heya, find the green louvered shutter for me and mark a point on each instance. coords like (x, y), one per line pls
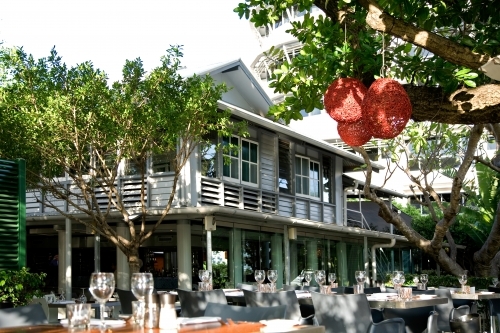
(12, 214)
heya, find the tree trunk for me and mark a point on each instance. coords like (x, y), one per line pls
(495, 264)
(134, 261)
(490, 248)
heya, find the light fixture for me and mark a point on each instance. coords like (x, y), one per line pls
(492, 68)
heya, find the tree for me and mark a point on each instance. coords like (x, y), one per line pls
(75, 132)
(437, 47)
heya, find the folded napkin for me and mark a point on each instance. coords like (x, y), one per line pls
(182, 321)
(64, 302)
(97, 322)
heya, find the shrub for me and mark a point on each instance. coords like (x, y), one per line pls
(20, 286)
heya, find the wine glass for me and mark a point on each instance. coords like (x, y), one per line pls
(83, 298)
(360, 276)
(260, 276)
(102, 286)
(462, 279)
(332, 277)
(424, 278)
(320, 277)
(308, 277)
(61, 295)
(272, 276)
(494, 281)
(142, 284)
(204, 276)
(397, 279)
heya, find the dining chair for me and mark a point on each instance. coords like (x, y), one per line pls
(291, 287)
(194, 303)
(415, 318)
(126, 297)
(23, 316)
(432, 322)
(447, 311)
(350, 313)
(494, 307)
(245, 313)
(288, 298)
(367, 290)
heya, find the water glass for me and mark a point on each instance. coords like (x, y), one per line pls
(138, 311)
(320, 277)
(405, 293)
(358, 289)
(78, 315)
(326, 289)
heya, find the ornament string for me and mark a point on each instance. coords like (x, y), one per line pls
(383, 68)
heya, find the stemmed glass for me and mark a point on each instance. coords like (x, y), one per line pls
(142, 284)
(83, 298)
(424, 278)
(61, 295)
(332, 277)
(204, 276)
(360, 277)
(272, 276)
(308, 277)
(462, 279)
(320, 277)
(102, 286)
(397, 279)
(260, 276)
(494, 281)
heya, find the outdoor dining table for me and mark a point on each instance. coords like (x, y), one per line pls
(396, 303)
(476, 296)
(130, 328)
(94, 305)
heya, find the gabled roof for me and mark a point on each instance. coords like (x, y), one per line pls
(244, 90)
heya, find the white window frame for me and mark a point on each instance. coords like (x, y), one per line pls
(239, 160)
(308, 177)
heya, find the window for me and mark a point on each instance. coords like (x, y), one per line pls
(327, 180)
(285, 166)
(163, 162)
(208, 153)
(241, 164)
(307, 177)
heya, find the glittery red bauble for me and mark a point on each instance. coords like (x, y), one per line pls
(354, 134)
(343, 99)
(387, 108)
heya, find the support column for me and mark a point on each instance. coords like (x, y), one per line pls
(294, 266)
(342, 277)
(312, 254)
(97, 253)
(366, 266)
(235, 266)
(122, 266)
(277, 257)
(286, 243)
(64, 265)
(184, 264)
(209, 251)
(338, 190)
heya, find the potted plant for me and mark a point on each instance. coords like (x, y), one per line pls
(18, 287)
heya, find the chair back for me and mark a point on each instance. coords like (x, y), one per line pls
(23, 316)
(447, 311)
(194, 303)
(339, 290)
(342, 313)
(414, 318)
(367, 290)
(245, 313)
(432, 322)
(311, 288)
(125, 297)
(288, 298)
(291, 287)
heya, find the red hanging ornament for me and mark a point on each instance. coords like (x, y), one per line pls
(343, 99)
(354, 134)
(387, 108)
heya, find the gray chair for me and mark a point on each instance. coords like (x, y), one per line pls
(288, 298)
(194, 303)
(494, 307)
(126, 297)
(350, 314)
(447, 311)
(23, 316)
(245, 313)
(415, 318)
(432, 322)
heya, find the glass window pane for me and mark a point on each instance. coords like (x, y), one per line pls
(253, 173)
(298, 165)
(305, 184)
(227, 170)
(298, 183)
(245, 153)
(234, 169)
(253, 153)
(245, 172)
(305, 166)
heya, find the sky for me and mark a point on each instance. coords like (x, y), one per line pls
(107, 32)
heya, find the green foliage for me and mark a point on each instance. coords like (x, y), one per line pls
(220, 276)
(331, 50)
(20, 286)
